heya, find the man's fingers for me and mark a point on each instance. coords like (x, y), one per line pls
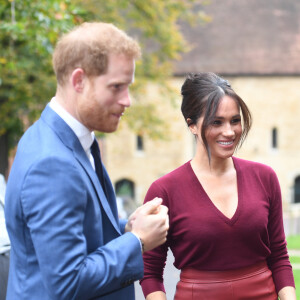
(167, 223)
(163, 209)
(152, 206)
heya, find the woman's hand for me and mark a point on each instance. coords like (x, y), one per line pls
(157, 296)
(286, 293)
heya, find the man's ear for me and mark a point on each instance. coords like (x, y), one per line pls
(77, 78)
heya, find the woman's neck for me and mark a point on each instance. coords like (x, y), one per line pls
(216, 166)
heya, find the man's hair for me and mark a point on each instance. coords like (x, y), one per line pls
(88, 46)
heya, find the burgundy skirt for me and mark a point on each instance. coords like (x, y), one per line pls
(251, 283)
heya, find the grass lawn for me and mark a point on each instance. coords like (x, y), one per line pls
(293, 242)
(295, 259)
(297, 282)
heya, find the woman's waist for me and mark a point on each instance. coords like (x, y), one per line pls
(194, 275)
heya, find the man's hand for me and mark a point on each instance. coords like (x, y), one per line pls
(150, 222)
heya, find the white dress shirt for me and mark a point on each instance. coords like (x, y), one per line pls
(85, 136)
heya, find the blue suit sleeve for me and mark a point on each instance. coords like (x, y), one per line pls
(123, 223)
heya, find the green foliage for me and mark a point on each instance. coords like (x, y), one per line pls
(30, 28)
(145, 120)
(28, 32)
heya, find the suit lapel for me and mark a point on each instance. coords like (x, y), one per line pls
(83, 160)
(68, 137)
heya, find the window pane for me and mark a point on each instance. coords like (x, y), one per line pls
(297, 190)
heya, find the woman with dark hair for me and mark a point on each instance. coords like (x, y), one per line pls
(226, 226)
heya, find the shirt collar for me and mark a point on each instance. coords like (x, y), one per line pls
(85, 136)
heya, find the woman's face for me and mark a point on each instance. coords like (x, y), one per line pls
(224, 134)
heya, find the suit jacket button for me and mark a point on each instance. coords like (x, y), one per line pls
(127, 282)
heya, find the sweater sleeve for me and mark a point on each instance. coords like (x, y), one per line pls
(278, 261)
(154, 260)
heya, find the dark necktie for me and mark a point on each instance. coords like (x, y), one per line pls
(98, 164)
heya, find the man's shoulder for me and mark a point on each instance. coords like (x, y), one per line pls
(40, 146)
(38, 139)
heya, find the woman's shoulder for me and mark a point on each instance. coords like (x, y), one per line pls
(253, 166)
(175, 174)
(169, 183)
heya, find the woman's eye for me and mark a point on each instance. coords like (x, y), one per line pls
(235, 121)
(217, 122)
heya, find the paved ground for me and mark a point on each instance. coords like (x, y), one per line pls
(295, 253)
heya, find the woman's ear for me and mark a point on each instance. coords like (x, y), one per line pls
(77, 79)
(193, 129)
(192, 126)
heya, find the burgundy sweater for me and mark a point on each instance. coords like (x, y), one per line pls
(201, 237)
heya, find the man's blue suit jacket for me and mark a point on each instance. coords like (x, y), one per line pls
(67, 242)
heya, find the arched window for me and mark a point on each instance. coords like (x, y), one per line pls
(297, 190)
(125, 188)
(125, 197)
(274, 138)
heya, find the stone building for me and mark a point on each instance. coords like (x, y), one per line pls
(256, 46)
